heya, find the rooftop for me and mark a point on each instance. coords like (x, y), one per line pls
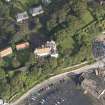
(100, 37)
(22, 45)
(46, 1)
(22, 16)
(1, 102)
(48, 49)
(42, 51)
(98, 46)
(7, 0)
(36, 10)
(6, 52)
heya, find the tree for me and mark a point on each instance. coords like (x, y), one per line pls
(2, 73)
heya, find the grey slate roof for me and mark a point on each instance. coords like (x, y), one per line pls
(22, 16)
(36, 10)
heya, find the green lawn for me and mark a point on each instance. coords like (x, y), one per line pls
(27, 3)
(87, 17)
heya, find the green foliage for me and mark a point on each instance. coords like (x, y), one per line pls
(65, 41)
(23, 56)
(97, 9)
(2, 73)
(72, 23)
(15, 63)
(87, 17)
(28, 3)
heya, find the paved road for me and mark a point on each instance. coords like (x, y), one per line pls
(98, 64)
(65, 93)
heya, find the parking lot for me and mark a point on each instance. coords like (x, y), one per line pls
(63, 93)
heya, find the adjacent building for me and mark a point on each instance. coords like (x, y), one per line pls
(94, 83)
(46, 1)
(95, 87)
(48, 49)
(33, 11)
(42, 52)
(22, 16)
(23, 45)
(101, 2)
(6, 52)
(98, 46)
(36, 10)
(3, 103)
(7, 0)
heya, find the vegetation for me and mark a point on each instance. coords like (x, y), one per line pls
(73, 24)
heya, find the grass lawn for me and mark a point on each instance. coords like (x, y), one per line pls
(59, 71)
(87, 17)
(28, 3)
(66, 43)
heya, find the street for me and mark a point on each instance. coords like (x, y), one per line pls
(98, 64)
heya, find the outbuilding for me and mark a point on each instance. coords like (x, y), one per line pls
(22, 45)
(22, 16)
(6, 52)
(36, 10)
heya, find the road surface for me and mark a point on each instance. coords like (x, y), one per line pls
(54, 79)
